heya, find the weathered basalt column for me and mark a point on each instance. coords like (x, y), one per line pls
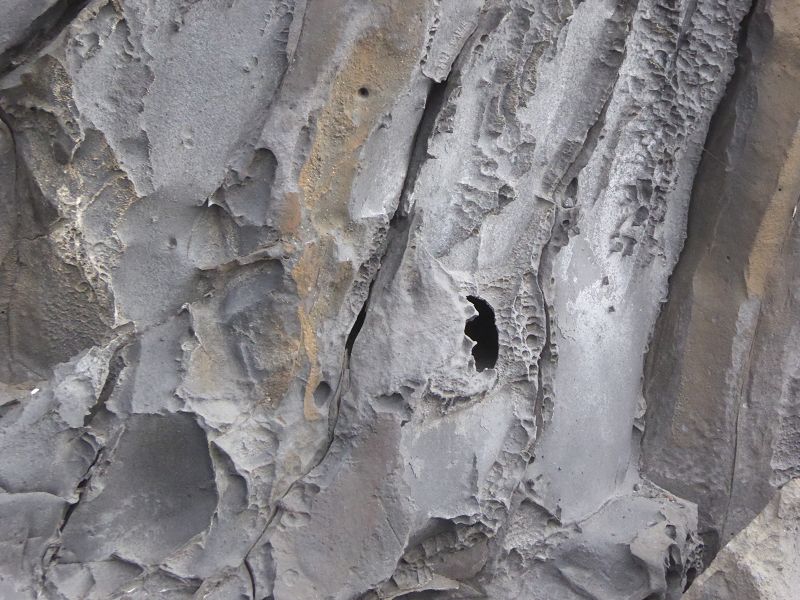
(721, 383)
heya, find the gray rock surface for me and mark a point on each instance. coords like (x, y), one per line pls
(723, 382)
(338, 299)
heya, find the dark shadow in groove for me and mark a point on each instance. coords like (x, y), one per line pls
(359, 323)
(41, 32)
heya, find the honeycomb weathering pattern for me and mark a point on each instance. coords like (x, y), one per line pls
(421, 299)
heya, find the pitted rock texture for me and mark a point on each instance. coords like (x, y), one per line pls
(722, 382)
(347, 299)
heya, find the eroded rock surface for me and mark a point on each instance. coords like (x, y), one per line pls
(722, 387)
(335, 299)
(763, 560)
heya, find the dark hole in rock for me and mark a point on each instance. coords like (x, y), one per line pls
(711, 544)
(572, 188)
(8, 407)
(674, 568)
(363, 92)
(642, 214)
(691, 574)
(483, 331)
(424, 595)
(506, 194)
(322, 393)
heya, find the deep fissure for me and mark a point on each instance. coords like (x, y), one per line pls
(398, 230)
(358, 324)
(398, 224)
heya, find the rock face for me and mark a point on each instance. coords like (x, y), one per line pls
(723, 381)
(763, 561)
(338, 299)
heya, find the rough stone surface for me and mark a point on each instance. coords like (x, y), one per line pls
(348, 299)
(723, 381)
(763, 560)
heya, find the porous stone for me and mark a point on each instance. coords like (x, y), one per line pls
(338, 299)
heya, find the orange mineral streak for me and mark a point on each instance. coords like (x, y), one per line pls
(776, 223)
(773, 138)
(374, 74)
(291, 215)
